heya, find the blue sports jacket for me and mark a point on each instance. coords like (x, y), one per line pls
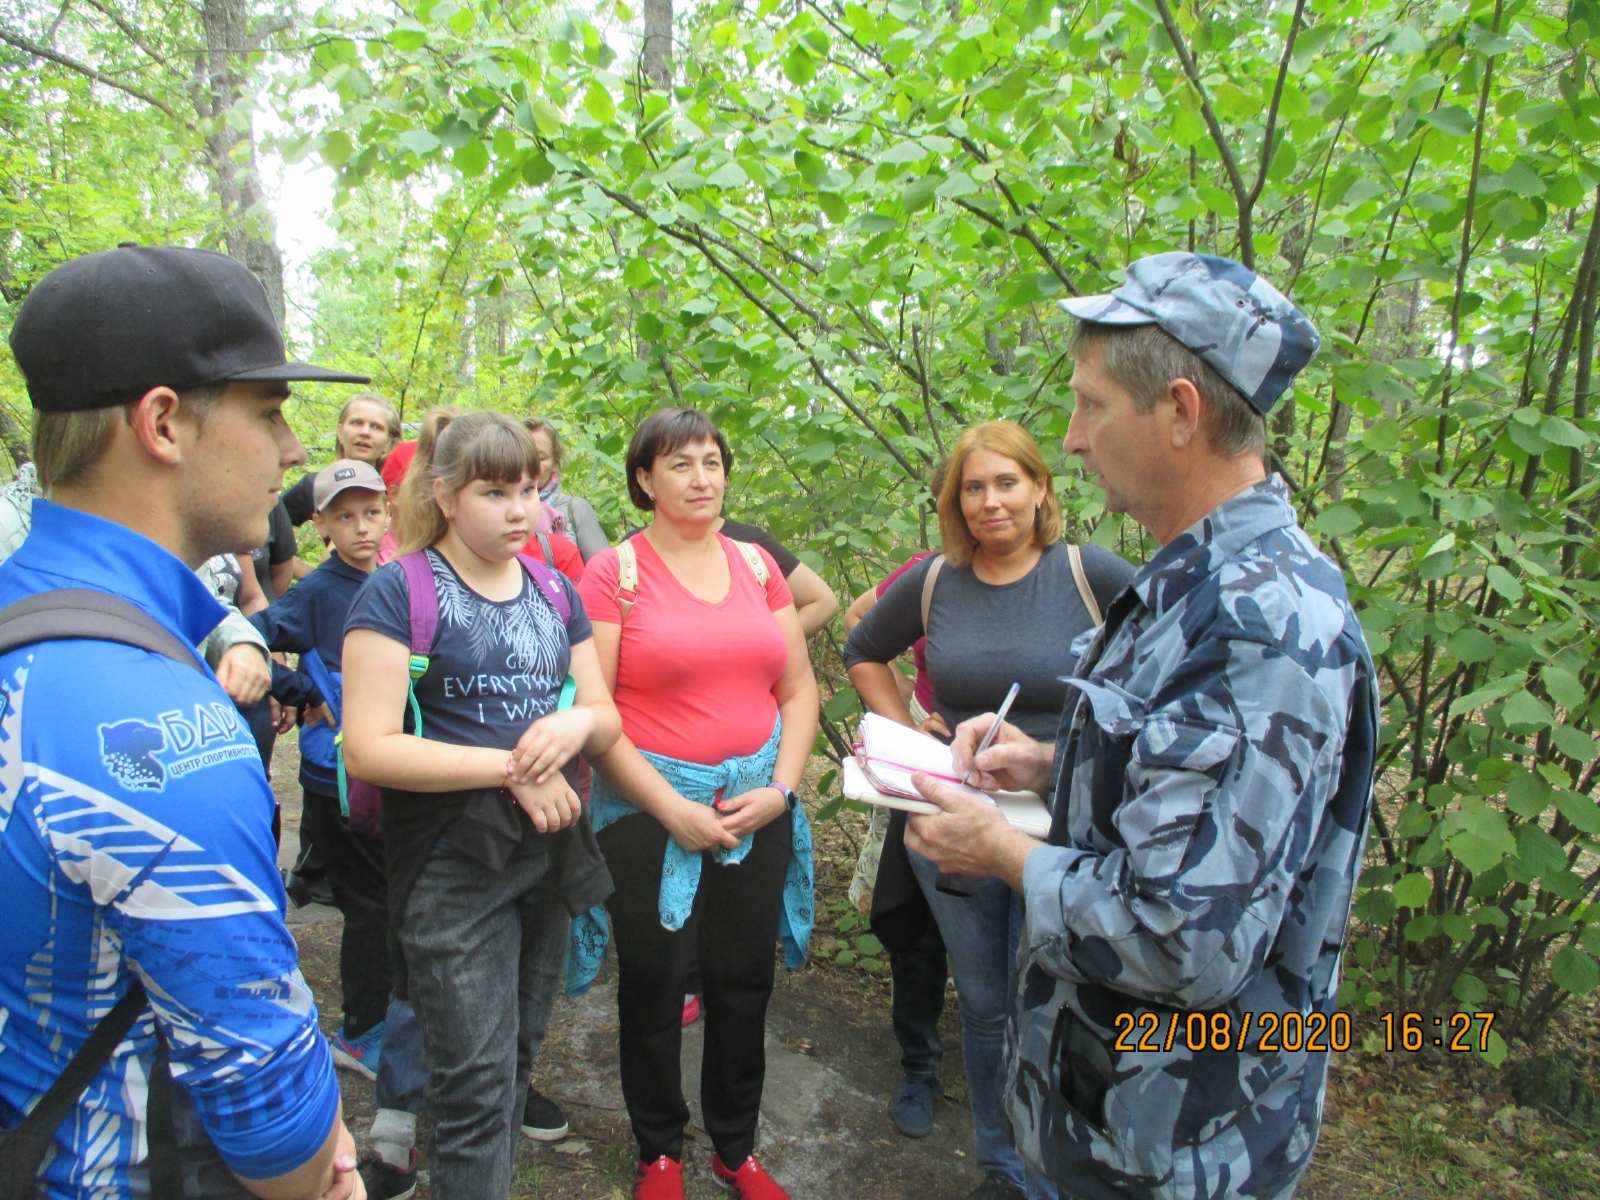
(136, 842)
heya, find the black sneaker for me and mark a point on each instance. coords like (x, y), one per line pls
(384, 1181)
(542, 1118)
(307, 890)
(298, 891)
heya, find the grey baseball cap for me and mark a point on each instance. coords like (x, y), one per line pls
(341, 476)
(1240, 324)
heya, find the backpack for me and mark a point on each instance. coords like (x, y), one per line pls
(362, 802)
(358, 800)
(1074, 556)
(94, 616)
(628, 571)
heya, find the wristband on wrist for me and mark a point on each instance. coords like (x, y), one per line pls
(789, 798)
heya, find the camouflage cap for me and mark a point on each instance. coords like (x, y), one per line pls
(1240, 324)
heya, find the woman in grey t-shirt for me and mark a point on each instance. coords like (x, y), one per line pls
(1004, 607)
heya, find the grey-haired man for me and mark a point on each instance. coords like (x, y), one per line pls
(1211, 781)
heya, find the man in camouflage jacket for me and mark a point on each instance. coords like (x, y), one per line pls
(1211, 779)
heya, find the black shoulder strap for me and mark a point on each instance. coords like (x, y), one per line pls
(84, 613)
(97, 616)
(41, 1123)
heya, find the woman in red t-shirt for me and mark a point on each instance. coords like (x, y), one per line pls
(699, 640)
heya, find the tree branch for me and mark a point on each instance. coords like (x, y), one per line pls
(1272, 108)
(1026, 233)
(1241, 194)
(128, 31)
(88, 72)
(693, 236)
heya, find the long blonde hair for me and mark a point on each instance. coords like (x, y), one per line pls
(1009, 440)
(457, 450)
(390, 416)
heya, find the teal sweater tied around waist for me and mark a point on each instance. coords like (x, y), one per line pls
(680, 869)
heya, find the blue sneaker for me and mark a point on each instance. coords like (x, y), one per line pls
(359, 1054)
(912, 1108)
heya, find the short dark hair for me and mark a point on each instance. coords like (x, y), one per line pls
(662, 432)
(1145, 358)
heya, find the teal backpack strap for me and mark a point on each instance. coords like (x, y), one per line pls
(418, 667)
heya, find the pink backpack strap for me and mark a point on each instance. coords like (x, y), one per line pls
(424, 593)
(547, 581)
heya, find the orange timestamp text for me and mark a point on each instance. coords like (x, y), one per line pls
(1293, 1032)
(1458, 1032)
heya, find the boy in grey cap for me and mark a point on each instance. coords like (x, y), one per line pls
(1211, 780)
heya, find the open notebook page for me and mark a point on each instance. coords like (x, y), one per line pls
(892, 752)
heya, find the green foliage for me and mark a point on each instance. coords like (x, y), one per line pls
(853, 945)
(79, 174)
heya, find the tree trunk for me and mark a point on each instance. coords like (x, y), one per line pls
(1336, 455)
(1283, 429)
(655, 68)
(1001, 361)
(247, 224)
(655, 58)
(14, 437)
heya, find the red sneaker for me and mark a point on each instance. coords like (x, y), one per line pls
(659, 1180)
(749, 1182)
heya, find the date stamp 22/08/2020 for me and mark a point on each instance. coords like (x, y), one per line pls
(1292, 1032)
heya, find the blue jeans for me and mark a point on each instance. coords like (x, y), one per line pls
(484, 952)
(402, 1059)
(980, 932)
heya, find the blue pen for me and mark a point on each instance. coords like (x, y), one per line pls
(988, 738)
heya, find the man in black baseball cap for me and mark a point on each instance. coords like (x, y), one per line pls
(170, 359)
(137, 847)
(101, 327)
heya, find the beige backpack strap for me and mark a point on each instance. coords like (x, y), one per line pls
(935, 565)
(753, 560)
(1085, 592)
(627, 576)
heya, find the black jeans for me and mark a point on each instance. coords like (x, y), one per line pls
(732, 932)
(918, 974)
(360, 886)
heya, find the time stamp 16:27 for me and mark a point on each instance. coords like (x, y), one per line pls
(1291, 1032)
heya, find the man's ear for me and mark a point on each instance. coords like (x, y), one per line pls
(160, 425)
(1186, 412)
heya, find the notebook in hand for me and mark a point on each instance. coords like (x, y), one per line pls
(880, 773)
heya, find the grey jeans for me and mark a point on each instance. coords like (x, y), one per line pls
(484, 955)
